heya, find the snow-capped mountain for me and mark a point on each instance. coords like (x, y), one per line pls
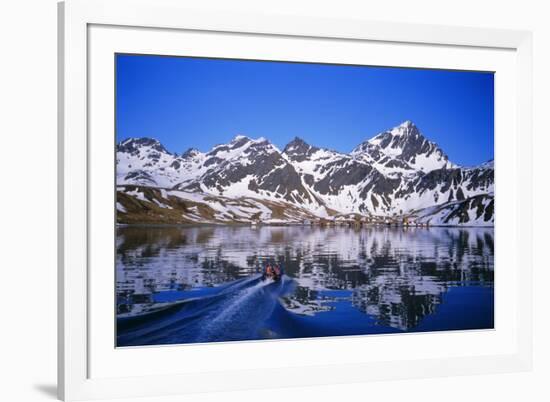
(403, 149)
(247, 167)
(146, 162)
(396, 173)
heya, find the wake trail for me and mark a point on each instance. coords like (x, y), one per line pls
(236, 311)
(228, 314)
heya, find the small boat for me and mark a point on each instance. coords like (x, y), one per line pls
(274, 272)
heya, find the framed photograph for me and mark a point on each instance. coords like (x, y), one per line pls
(251, 201)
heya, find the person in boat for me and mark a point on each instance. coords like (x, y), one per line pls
(273, 272)
(268, 272)
(276, 272)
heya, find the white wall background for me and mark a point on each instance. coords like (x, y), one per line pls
(28, 198)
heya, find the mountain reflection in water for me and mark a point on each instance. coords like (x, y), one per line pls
(201, 284)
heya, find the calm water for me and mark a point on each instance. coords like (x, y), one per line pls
(202, 284)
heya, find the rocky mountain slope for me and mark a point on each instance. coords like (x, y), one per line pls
(395, 175)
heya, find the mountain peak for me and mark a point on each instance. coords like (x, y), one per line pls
(139, 141)
(240, 140)
(407, 128)
(296, 142)
(490, 164)
(134, 144)
(297, 139)
(406, 124)
(403, 147)
(190, 152)
(399, 135)
(298, 149)
(240, 137)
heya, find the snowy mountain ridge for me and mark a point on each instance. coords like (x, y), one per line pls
(397, 172)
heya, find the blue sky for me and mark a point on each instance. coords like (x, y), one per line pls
(196, 102)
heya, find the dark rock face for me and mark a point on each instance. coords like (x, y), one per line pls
(212, 161)
(395, 163)
(437, 177)
(481, 178)
(346, 173)
(489, 211)
(309, 179)
(472, 179)
(476, 210)
(382, 186)
(287, 182)
(475, 203)
(140, 176)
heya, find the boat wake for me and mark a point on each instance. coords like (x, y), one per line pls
(239, 310)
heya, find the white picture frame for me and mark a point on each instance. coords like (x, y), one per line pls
(80, 378)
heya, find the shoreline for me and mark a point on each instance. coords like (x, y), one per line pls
(297, 224)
